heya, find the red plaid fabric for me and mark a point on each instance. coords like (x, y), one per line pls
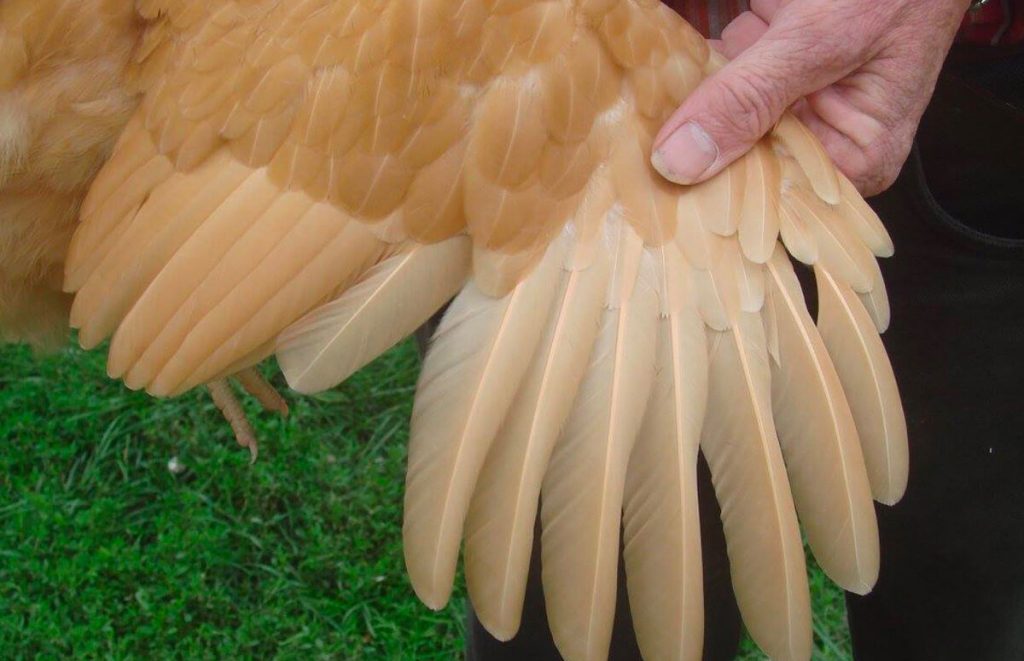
(709, 17)
(993, 23)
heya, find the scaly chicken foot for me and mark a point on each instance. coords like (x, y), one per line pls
(268, 397)
(226, 400)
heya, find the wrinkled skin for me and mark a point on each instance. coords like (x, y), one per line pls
(858, 72)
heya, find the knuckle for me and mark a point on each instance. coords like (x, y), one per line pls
(834, 37)
(883, 160)
(747, 105)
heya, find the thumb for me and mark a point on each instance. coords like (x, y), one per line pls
(735, 107)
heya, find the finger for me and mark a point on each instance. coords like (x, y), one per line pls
(765, 9)
(741, 33)
(717, 45)
(869, 174)
(835, 110)
(869, 151)
(731, 110)
(846, 155)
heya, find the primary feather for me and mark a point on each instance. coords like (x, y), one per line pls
(819, 442)
(869, 382)
(583, 488)
(500, 523)
(464, 391)
(395, 298)
(660, 514)
(762, 536)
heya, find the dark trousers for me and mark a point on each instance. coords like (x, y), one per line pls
(952, 579)
(952, 576)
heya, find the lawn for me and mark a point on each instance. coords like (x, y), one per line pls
(105, 552)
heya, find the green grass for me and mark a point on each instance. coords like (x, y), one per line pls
(104, 552)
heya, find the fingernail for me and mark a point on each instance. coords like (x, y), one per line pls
(686, 154)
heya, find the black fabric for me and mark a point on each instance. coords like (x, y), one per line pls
(971, 144)
(999, 71)
(952, 577)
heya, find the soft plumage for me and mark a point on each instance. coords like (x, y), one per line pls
(316, 178)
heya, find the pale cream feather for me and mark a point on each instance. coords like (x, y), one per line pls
(662, 548)
(863, 219)
(500, 523)
(583, 489)
(395, 297)
(478, 359)
(759, 224)
(850, 260)
(800, 143)
(869, 383)
(796, 236)
(819, 441)
(719, 201)
(763, 540)
(876, 301)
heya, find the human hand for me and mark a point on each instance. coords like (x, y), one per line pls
(859, 73)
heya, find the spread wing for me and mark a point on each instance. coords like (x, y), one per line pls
(317, 177)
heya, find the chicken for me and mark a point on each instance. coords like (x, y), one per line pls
(315, 178)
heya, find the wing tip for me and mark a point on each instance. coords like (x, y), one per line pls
(892, 493)
(427, 589)
(500, 623)
(298, 379)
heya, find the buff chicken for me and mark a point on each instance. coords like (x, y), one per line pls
(208, 183)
